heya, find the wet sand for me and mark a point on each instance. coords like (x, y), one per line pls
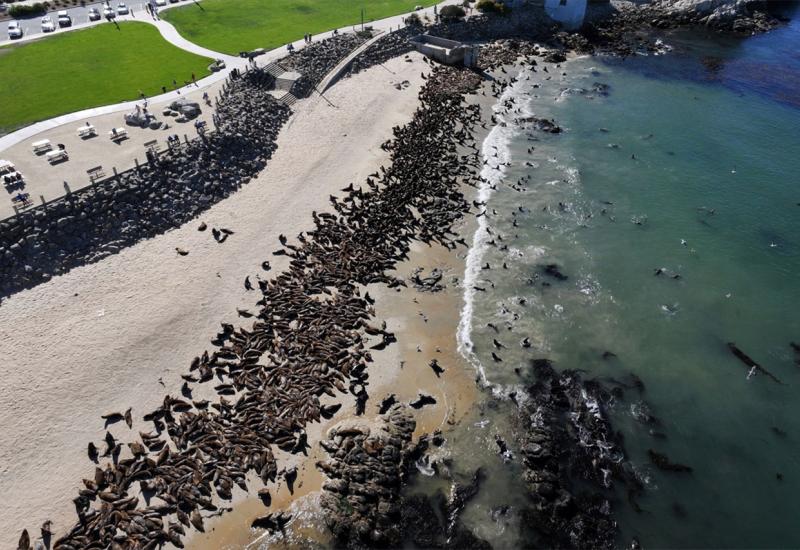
(118, 333)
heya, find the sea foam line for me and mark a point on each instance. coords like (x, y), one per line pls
(498, 141)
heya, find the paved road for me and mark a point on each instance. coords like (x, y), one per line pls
(32, 27)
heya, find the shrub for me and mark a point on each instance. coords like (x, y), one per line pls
(492, 6)
(38, 8)
(413, 20)
(452, 12)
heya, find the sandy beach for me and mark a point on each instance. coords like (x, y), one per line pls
(118, 333)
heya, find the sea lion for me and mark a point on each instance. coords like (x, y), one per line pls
(92, 452)
(290, 476)
(24, 541)
(181, 251)
(422, 400)
(247, 284)
(662, 462)
(265, 496)
(434, 365)
(387, 404)
(202, 227)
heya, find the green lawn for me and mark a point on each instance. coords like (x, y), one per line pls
(231, 26)
(87, 68)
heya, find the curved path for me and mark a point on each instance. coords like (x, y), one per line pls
(171, 35)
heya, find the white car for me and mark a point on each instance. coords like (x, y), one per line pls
(94, 15)
(14, 30)
(108, 12)
(122, 9)
(47, 24)
(161, 3)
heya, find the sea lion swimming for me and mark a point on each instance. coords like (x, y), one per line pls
(662, 462)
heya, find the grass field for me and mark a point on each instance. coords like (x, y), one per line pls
(231, 26)
(87, 68)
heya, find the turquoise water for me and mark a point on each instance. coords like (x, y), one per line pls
(699, 154)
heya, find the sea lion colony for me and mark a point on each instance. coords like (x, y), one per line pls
(311, 338)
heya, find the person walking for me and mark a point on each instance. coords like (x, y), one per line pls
(194, 80)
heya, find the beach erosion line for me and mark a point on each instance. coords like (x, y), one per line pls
(495, 148)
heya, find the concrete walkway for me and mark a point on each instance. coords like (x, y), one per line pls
(171, 35)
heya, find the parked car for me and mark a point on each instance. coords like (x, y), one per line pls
(3, 7)
(122, 9)
(64, 20)
(94, 14)
(161, 3)
(14, 30)
(109, 13)
(47, 24)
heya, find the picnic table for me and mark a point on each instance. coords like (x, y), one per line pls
(60, 154)
(42, 146)
(117, 134)
(6, 167)
(87, 131)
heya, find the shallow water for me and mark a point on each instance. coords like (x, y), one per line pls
(699, 157)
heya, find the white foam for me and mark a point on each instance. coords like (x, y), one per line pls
(497, 142)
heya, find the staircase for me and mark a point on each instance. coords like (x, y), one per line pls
(274, 69)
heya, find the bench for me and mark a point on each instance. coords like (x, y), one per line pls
(95, 173)
(118, 134)
(42, 146)
(54, 156)
(23, 200)
(152, 145)
(87, 131)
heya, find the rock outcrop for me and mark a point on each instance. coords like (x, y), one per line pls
(361, 499)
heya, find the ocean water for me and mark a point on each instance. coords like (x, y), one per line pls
(687, 161)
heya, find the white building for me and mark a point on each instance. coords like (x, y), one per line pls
(569, 13)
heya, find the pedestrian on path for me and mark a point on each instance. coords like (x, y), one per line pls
(194, 80)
